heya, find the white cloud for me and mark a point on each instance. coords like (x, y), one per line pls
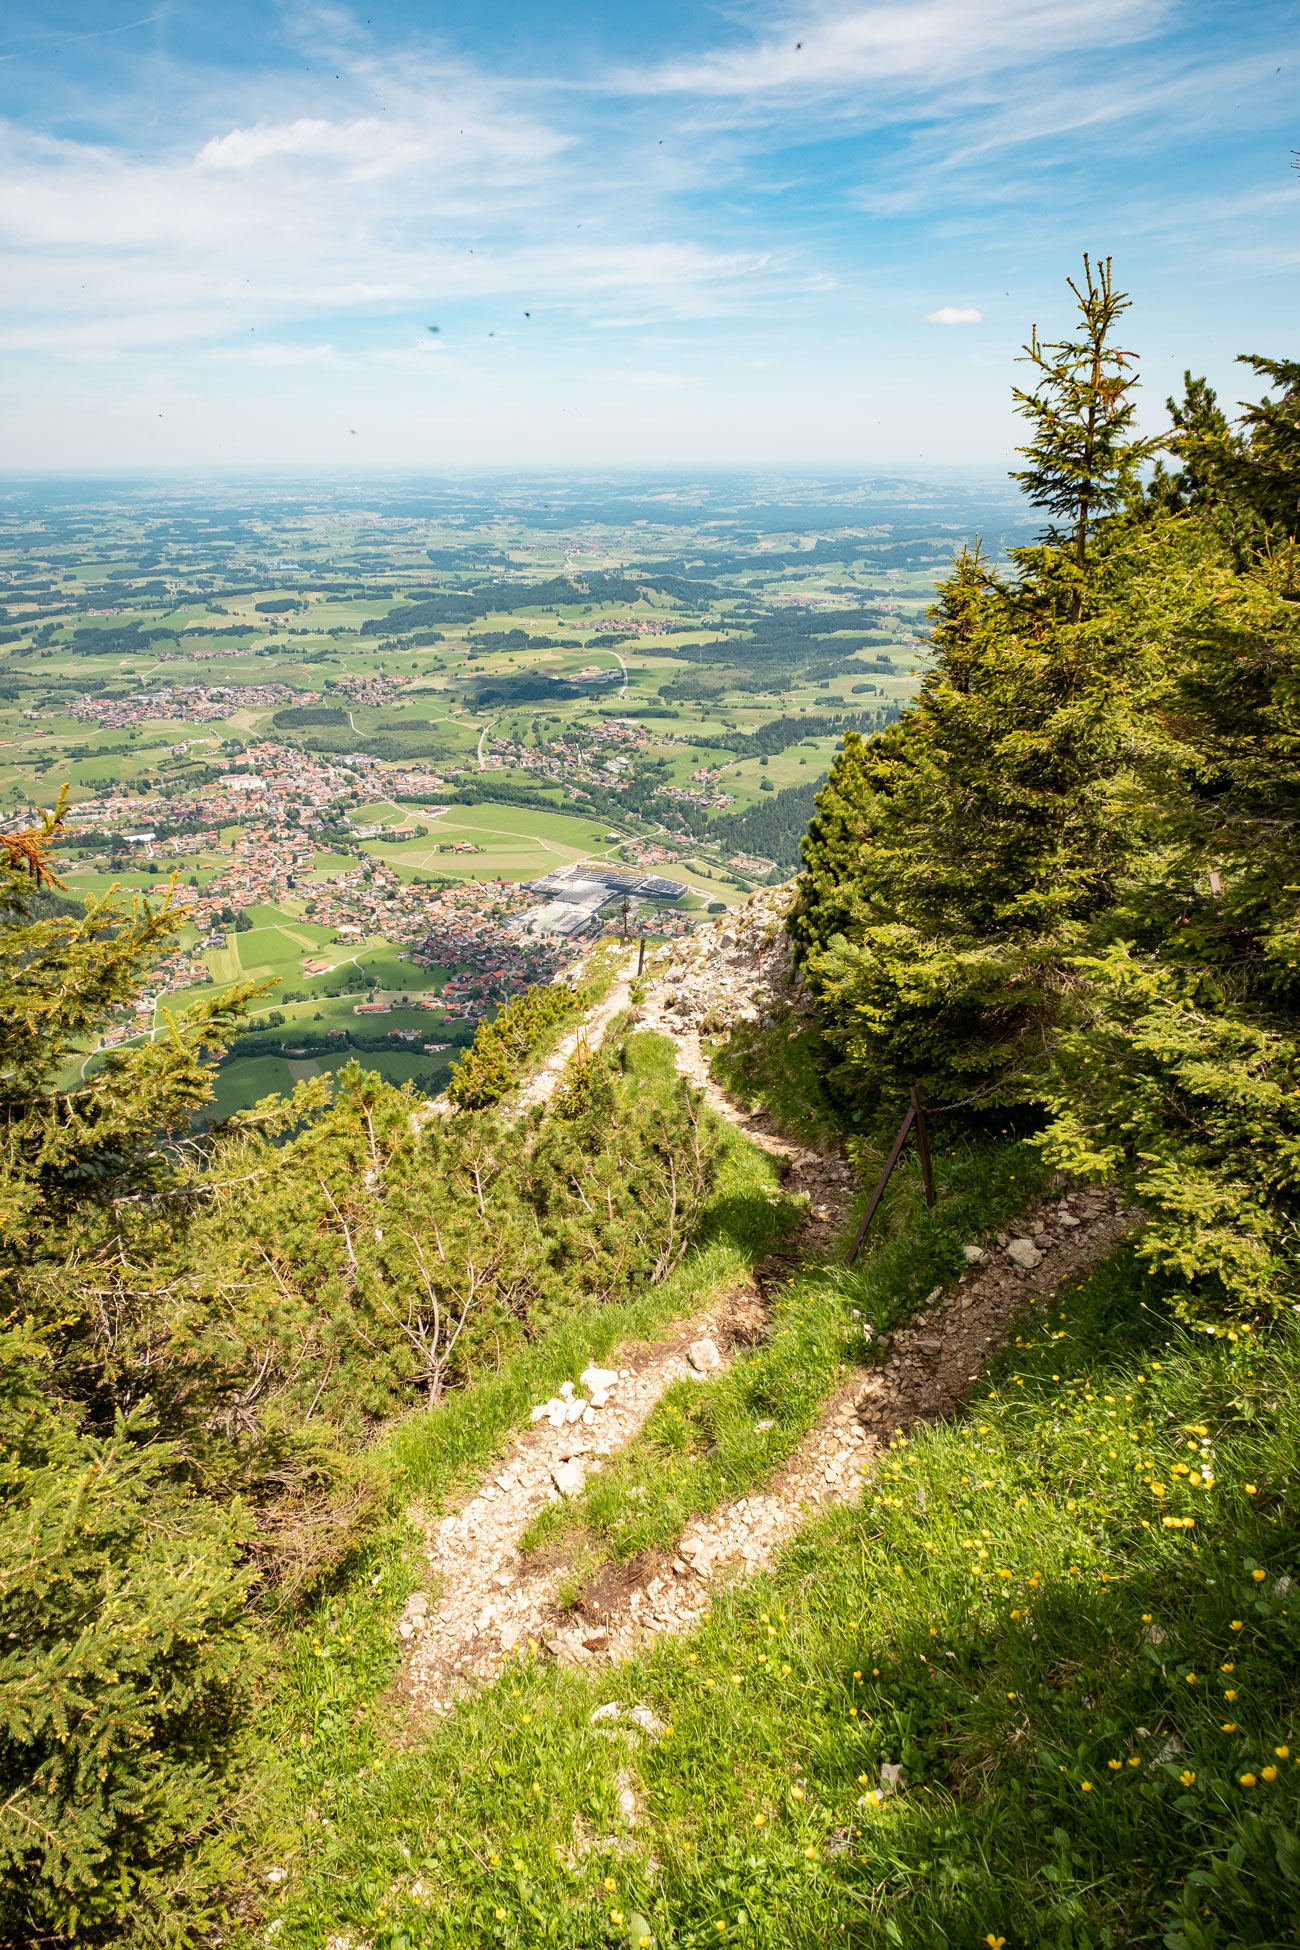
(955, 315)
(838, 47)
(277, 355)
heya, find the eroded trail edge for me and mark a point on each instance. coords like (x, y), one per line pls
(488, 1599)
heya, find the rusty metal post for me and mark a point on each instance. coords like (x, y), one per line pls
(881, 1183)
(640, 959)
(923, 1145)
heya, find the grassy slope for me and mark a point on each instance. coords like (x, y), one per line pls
(1087, 1715)
(703, 1444)
(1094, 1707)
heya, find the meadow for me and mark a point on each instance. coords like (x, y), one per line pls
(1039, 1687)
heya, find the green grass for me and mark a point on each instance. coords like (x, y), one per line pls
(243, 1083)
(705, 1442)
(774, 1067)
(1005, 1685)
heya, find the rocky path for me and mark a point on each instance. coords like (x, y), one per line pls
(926, 1376)
(490, 1599)
(591, 1030)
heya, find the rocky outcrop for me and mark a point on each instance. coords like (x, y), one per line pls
(737, 969)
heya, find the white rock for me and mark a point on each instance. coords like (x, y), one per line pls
(648, 1721)
(598, 1377)
(1023, 1252)
(704, 1356)
(569, 1478)
(539, 1413)
(566, 1389)
(589, 1414)
(511, 1633)
(974, 1255)
(891, 1777)
(610, 1711)
(575, 1411)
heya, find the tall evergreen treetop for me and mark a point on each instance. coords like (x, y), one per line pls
(1083, 455)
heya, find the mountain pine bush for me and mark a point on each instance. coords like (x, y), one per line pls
(203, 1329)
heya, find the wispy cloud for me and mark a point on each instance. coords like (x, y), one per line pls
(780, 189)
(834, 49)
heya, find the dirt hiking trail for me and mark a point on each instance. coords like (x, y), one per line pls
(487, 1599)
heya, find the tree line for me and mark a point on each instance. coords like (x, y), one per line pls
(1061, 891)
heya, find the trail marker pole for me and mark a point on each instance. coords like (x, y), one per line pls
(640, 957)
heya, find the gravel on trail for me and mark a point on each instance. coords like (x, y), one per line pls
(486, 1600)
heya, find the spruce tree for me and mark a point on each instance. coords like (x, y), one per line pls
(956, 860)
(1084, 458)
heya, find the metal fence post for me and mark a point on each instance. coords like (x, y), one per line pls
(923, 1145)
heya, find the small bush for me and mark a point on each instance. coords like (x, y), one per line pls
(490, 1068)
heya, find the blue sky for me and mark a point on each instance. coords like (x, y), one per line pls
(667, 235)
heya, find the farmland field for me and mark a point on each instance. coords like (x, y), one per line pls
(235, 692)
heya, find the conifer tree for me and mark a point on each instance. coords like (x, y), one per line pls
(124, 1655)
(1083, 456)
(957, 859)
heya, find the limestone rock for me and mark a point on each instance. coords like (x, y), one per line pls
(704, 1356)
(569, 1478)
(1024, 1253)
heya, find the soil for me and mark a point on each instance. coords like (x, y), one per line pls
(489, 1599)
